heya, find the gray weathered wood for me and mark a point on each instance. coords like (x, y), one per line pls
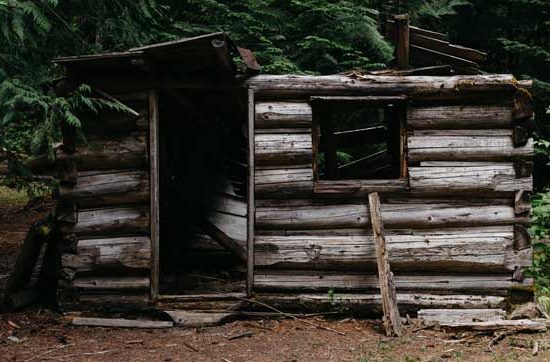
(466, 147)
(283, 182)
(460, 315)
(303, 87)
(223, 239)
(283, 115)
(367, 302)
(442, 117)
(356, 215)
(358, 187)
(283, 149)
(113, 283)
(126, 153)
(120, 323)
(104, 189)
(485, 249)
(154, 196)
(251, 193)
(518, 325)
(496, 178)
(392, 320)
(191, 319)
(119, 255)
(301, 281)
(109, 222)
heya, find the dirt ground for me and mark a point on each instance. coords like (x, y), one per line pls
(40, 335)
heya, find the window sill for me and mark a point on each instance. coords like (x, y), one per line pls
(359, 187)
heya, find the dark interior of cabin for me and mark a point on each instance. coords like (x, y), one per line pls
(202, 204)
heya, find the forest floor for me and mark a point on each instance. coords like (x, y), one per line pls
(40, 335)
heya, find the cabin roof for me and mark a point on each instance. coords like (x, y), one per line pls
(212, 52)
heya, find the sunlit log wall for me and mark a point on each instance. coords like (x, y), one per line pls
(456, 223)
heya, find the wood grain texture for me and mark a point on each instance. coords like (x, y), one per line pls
(282, 115)
(283, 182)
(301, 281)
(495, 178)
(487, 249)
(461, 117)
(118, 255)
(110, 222)
(282, 149)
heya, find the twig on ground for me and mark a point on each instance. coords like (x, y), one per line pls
(293, 316)
(428, 326)
(49, 351)
(81, 354)
(189, 346)
(240, 335)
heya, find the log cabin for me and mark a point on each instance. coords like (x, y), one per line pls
(222, 184)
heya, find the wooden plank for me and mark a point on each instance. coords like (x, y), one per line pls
(110, 222)
(358, 187)
(120, 323)
(154, 192)
(335, 214)
(232, 225)
(418, 87)
(283, 149)
(518, 325)
(365, 101)
(105, 189)
(283, 182)
(496, 178)
(111, 284)
(223, 239)
(485, 249)
(445, 47)
(392, 320)
(426, 56)
(251, 192)
(282, 115)
(443, 147)
(443, 316)
(366, 303)
(464, 116)
(191, 319)
(419, 31)
(120, 255)
(305, 281)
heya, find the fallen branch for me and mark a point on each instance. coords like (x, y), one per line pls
(292, 316)
(81, 354)
(49, 351)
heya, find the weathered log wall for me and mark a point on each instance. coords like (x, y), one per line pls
(104, 206)
(453, 223)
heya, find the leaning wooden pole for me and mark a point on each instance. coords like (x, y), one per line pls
(392, 320)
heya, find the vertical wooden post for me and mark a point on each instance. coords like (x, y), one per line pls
(329, 147)
(401, 37)
(251, 211)
(392, 320)
(154, 190)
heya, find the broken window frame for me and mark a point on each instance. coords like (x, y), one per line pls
(324, 105)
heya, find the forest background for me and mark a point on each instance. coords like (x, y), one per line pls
(287, 36)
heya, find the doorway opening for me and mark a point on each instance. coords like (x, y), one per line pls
(202, 192)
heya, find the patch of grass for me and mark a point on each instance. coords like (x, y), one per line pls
(12, 198)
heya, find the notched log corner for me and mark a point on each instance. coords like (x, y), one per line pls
(523, 168)
(522, 202)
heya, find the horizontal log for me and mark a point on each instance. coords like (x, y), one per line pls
(282, 115)
(283, 182)
(369, 303)
(109, 222)
(323, 281)
(283, 149)
(356, 215)
(103, 189)
(107, 122)
(418, 87)
(468, 116)
(465, 147)
(487, 249)
(120, 323)
(358, 187)
(460, 315)
(110, 284)
(495, 178)
(122, 255)
(128, 153)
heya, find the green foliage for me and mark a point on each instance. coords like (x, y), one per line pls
(540, 270)
(540, 228)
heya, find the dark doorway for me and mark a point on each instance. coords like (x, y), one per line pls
(202, 192)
